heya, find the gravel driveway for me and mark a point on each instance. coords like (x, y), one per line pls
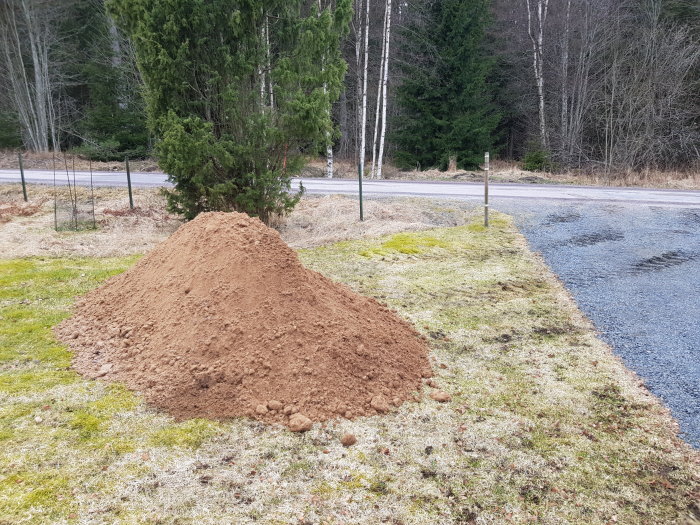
(635, 271)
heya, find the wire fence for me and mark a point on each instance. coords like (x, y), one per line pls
(74, 205)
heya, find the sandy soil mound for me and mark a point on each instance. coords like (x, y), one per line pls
(223, 320)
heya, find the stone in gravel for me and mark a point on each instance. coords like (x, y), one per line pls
(261, 409)
(299, 423)
(440, 396)
(275, 405)
(348, 440)
(104, 370)
(379, 403)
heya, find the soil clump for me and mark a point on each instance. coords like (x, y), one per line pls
(222, 320)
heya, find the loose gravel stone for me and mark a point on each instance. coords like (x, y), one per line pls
(348, 440)
(299, 423)
(440, 396)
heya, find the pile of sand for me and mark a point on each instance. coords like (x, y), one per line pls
(222, 320)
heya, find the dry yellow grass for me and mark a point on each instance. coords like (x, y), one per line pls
(120, 231)
(315, 221)
(45, 161)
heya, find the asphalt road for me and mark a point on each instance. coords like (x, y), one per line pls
(458, 190)
(630, 257)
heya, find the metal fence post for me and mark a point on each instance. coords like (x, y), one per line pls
(359, 179)
(487, 162)
(128, 182)
(21, 173)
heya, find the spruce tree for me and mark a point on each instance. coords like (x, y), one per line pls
(237, 92)
(445, 101)
(110, 121)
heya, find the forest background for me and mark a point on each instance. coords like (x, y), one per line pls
(603, 85)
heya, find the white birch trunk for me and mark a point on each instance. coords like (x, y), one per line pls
(363, 124)
(271, 91)
(564, 114)
(385, 82)
(358, 71)
(329, 143)
(537, 38)
(379, 98)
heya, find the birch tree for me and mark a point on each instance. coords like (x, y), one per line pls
(536, 19)
(363, 119)
(27, 35)
(379, 94)
(329, 140)
(384, 82)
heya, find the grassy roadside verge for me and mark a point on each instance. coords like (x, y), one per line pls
(545, 425)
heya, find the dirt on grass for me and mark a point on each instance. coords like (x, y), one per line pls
(222, 320)
(25, 209)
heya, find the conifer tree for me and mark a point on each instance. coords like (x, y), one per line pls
(237, 92)
(446, 105)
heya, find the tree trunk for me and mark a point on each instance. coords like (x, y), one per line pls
(344, 123)
(268, 62)
(385, 81)
(363, 122)
(564, 110)
(24, 24)
(358, 74)
(329, 141)
(537, 39)
(379, 98)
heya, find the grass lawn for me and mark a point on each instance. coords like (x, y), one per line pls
(545, 425)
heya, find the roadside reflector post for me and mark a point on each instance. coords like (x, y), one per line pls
(21, 173)
(487, 167)
(359, 180)
(128, 182)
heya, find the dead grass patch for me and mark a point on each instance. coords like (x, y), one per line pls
(124, 231)
(323, 220)
(45, 161)
(120, 230)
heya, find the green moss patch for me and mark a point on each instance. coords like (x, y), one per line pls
(190, 434)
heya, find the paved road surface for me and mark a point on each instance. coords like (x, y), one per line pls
(460, 190)
(630, 257)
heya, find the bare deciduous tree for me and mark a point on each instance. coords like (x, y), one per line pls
(537, 11)
(384, 82)
(27, 36)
